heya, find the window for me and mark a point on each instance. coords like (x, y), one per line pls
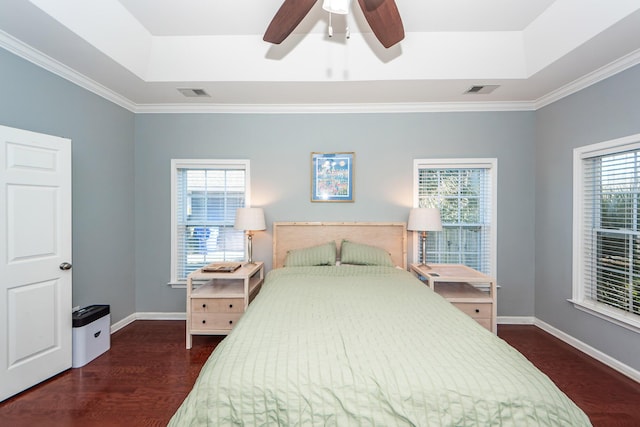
(465, 192)
(606, 233)
(205, 195)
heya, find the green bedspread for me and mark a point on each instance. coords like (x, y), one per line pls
(366, 346)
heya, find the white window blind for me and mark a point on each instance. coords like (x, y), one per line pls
(609, 231)
(464, 191)
(206, 197)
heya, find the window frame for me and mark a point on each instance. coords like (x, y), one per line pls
(177, 164)
(491, 164)
(579, 299)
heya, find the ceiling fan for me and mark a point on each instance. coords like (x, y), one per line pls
(382, 15)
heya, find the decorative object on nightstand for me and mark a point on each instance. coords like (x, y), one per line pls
(423, 220)
(250, 220)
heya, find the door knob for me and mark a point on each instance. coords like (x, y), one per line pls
(65, 266)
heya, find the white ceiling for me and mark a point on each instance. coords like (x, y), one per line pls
(138, 53)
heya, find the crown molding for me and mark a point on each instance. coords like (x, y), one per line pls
(611, 69)
(41, 60)
(38, 58)
(427, 107)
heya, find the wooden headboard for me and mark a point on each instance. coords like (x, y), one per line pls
(391, 236)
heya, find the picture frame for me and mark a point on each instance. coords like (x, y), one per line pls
(332, 177)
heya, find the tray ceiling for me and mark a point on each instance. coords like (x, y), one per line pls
(143, 54)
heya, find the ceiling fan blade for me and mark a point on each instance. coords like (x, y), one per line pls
(384, 19)
(287, 19)
(373, 4)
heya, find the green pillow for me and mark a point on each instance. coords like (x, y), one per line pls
(358, 253)
(316, 255)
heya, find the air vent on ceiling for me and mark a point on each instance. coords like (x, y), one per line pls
(194, 93)
(482, 89)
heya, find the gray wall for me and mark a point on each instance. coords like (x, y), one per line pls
(102, 175)
(279, 148)
(607, 110)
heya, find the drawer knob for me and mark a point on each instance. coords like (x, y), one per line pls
(204, 321)
(204, 305)
(231, 322)
(477, 310)
(230, 305)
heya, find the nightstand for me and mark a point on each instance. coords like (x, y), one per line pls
(469, 290)
(216, 301)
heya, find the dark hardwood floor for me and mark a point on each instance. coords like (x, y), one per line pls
(148, 372)
(605, 395)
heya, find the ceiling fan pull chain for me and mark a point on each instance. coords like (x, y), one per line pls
(347, 33)
(330, 27)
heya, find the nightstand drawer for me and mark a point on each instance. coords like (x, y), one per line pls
(214, 321)
(217, 305)
(475, 310)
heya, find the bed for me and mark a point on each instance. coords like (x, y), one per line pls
(362, 345)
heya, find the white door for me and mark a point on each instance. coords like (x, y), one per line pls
(35, 258)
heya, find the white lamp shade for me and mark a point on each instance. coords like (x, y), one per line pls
(424, 219)
(250, 219)
(340, 7)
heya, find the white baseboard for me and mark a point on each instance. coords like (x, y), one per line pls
(587, 349)
(516, 320)
(122, 323)
(146, 316)
(161, 316)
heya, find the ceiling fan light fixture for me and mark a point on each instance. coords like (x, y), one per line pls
(339, 7)
(381, 15)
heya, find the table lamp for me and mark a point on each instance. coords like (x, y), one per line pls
(250, 220)
(423, 220)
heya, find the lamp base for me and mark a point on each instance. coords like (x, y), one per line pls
(423, 241)
(250, 247)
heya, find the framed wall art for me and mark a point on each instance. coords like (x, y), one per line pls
(332, 177)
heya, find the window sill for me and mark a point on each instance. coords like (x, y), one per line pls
(618, 317)
(177, 285)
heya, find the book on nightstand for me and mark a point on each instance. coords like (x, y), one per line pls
(221, 267)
